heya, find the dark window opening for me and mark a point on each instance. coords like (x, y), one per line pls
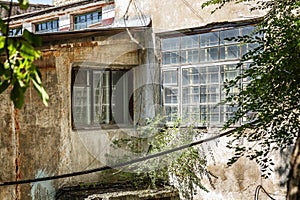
(101, 97)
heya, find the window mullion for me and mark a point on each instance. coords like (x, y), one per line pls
(110, 96)
(92, 96)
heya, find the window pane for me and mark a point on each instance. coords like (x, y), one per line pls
(229, 52)
(122, 90)
(209, 54)
(212, 74)
(227, 37)
(81, 107)
(191, 113)
(190, 76)
(203, 113)
(170, 77)
(170, 44)
(171, 113)
(209, 39)
(171, 95)
(190, 56)
(171, 57)
(190, 42)
(248, 30)
(101, 96)
(214, 113)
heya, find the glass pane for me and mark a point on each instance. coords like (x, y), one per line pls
(89, 18)
(194, 94)
(203, 94)
(213, 74)
(229, 111)
(81, 105)
(213, 92)
(203, 113)
(190, 42)
(190, 76)
(171, 95)
(101, 83)
(122, 88)
(190, 56)
(227, 36)
(170, 44)
(203, 77)
(248, 30)
(209, 54)
(214, 113)
(191, 113)
(229, 52)
(170, 77)
(230, 72)
(171, 113)
(209, 39)
(171, 57)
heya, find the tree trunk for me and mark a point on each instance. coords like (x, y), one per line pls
(293, 187)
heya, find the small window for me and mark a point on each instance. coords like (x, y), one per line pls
(47, 26)
(15, 31)
(101, 97)
(85, 20)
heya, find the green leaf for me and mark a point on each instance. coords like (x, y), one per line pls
(41, 91)
(17, 95)
(23, 4)
(4, 85)
(32, 38)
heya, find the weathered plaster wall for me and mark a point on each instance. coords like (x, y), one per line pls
(39, 141)
(240, 180)
(182, 14)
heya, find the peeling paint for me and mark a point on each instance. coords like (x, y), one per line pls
(43, 190)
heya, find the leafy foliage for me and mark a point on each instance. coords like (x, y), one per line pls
(186, 168)
(17, 71)
(270, 101)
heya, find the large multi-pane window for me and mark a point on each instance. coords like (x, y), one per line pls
(47, 26)
(85, 20)
(101, 97)
(194, 68)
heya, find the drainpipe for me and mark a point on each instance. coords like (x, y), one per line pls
(16, 147)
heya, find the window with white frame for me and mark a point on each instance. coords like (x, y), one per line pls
(194, 68)
(101, 97)
(83, 21)
(47, 26)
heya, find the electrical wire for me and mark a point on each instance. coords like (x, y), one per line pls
(192, 9)
(122, 164)
(258, 188)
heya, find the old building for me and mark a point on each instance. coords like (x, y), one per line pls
(110, 65)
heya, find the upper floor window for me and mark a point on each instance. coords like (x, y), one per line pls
(85, 20)
(47, 26)
(15, 31)
(194, 69)
(101, 97)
